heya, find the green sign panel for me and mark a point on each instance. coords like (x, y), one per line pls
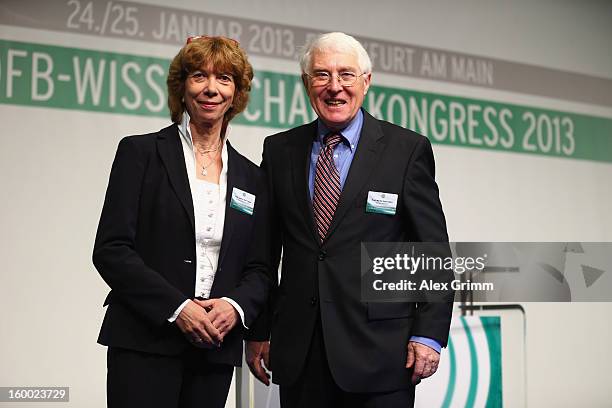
(70, 78)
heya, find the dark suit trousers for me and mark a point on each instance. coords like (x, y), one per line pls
(137, 379)
(316, 387)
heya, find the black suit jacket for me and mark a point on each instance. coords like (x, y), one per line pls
(145, 247)
(365, 342)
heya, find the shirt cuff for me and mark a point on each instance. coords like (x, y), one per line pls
(431, 343)
(238, 309)
(178, 311)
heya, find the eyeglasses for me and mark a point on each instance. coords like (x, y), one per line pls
(208, 37)
(323, 78)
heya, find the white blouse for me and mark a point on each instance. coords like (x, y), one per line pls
(209, 212)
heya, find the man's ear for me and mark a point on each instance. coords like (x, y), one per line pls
(367, 79)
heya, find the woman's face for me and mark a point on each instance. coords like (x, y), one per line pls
(208, 95)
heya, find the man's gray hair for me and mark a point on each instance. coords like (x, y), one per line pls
(338, 42)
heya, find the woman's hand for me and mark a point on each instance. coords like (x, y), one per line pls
(221, 313)
(197, 326)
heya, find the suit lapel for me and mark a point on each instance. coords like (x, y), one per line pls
(367, 155)
(234, 177)
(171, 153)
(300, 168)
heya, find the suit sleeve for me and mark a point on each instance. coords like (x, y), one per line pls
(427, 224)
(115, 254)
(266, 254)
(253, 290)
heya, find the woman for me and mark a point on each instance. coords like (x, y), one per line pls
(173, 238)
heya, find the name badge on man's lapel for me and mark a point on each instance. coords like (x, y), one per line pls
(381, 203)
(242, 201)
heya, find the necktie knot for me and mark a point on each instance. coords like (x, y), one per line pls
(331, 140)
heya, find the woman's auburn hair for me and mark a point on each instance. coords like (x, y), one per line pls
(224, 55)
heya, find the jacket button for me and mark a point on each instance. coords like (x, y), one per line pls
(313, 300)
(322, 255)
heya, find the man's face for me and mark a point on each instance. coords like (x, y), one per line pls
(336, 105)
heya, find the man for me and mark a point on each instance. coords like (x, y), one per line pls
(328, 348)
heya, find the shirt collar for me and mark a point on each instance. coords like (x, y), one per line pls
(185, 135)
(350, 133)
(185, 131)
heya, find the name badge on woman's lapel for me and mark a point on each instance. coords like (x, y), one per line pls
(242, 201)
(381, 203)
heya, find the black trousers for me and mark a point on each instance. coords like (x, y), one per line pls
(316, 387)
(137, 379)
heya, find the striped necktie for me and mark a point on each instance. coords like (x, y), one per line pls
(326, 185)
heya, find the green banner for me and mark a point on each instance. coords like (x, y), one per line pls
(478, 341)
(70, 78)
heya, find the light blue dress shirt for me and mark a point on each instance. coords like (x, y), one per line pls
(343, 153)
(343, 157)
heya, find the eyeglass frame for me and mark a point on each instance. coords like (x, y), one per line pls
(337, 76)
(209, 37)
